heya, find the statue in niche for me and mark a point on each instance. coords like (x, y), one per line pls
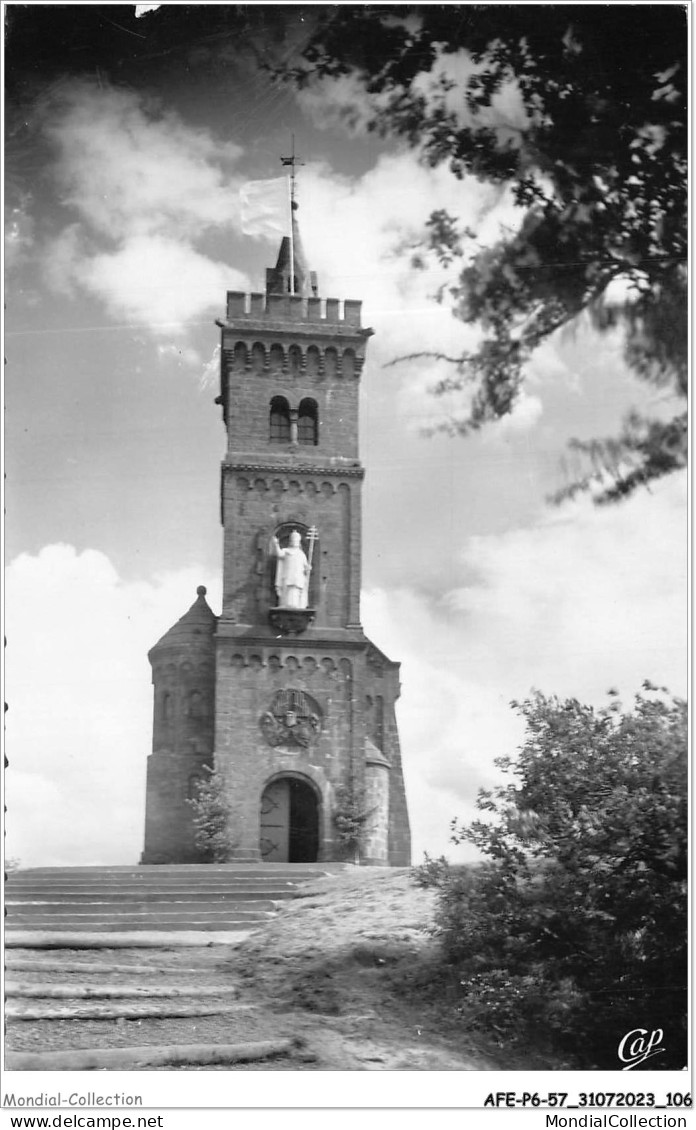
(293, 570)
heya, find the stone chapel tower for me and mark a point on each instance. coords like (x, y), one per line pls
(283, 689)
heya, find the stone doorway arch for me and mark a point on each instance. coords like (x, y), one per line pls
(289, 824)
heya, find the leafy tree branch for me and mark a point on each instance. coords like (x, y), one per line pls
(582, 113)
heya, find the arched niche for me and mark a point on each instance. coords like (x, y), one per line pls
(312, 361)
(276, 358)
(313, 554)
(240, 357)
(258, 357)
(294, 360)
(330, 362)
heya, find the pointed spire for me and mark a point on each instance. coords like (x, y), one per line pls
(291, 274)
(278, 277)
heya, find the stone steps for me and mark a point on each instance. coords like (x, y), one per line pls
(122, 991)
(212, 899)
(49, 990)
(31, 1011)
(166, 870)
(58, 896)
(130, 922)
(102, 908)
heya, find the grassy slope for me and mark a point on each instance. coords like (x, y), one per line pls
(356, 950)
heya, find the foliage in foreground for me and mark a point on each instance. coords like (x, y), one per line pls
(591, 141)
(211, 818)
(351, 814)
(574, 930)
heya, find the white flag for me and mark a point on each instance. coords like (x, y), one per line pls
(265, 207)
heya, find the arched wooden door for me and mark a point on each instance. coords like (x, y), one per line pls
(289, 822)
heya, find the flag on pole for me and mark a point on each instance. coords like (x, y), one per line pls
(265, 207)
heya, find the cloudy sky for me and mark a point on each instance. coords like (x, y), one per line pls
(126, 150)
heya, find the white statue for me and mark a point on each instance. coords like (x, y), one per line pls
(292, 573)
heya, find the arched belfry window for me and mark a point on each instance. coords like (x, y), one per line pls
(279, 420)
(308, 422)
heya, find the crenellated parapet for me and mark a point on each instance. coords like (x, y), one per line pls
(330, 314)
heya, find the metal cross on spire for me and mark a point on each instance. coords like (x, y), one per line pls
(292, 161)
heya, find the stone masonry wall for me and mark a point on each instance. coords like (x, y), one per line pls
(251, 387)
(255, 503)
(383, 677)
(248, 679)
(172, 778)
(183, 733)
(375, 845)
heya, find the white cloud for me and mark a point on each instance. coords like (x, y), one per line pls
(598, 592)
(128, 168)
(19, 232)
(344, 100)
(444, 87)
(63, 256)
(210, 375)
(358, 234)
(526, 413)
(183, 355)
(157, 281)
(145, 188)
(451, 726)
(329, 102)
(586, 599)
(80, 703)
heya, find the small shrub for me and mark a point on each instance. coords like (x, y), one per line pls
(211, 819)
(576, 925)
(431, 872)
(350, 817)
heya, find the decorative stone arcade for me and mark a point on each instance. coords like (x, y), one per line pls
(283, 689)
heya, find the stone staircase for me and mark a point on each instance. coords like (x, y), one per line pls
(140, 906)
(140, 1000)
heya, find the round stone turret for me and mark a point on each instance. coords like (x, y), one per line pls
(183, 676)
